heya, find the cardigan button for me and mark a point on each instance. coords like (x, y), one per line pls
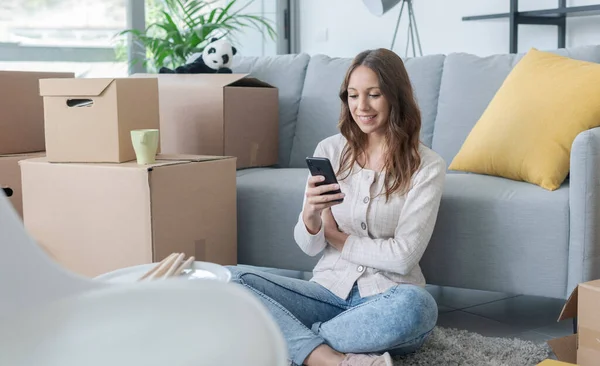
(360, 268)
(363, 226)
(366, 199)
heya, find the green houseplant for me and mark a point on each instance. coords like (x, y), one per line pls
(178, 29)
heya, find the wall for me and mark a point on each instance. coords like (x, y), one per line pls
(342, 28)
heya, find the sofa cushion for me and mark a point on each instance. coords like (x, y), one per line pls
(468, 85)
(425, 76)
(320, 105)
(286, 72)
(489, 229)
(528, 128)
(269, 203)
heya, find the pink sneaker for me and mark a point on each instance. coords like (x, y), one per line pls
(353, 359)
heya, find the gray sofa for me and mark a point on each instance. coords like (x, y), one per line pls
(491, 234)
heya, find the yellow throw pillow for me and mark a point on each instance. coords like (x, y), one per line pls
(528, 128)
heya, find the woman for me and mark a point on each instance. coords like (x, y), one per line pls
(367, 293)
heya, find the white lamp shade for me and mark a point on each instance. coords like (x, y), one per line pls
(380, 7)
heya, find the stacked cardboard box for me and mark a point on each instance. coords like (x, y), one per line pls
(89, 120)
(95, 218)
(21, 126)
(94, 209)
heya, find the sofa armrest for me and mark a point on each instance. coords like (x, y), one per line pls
(584, 201)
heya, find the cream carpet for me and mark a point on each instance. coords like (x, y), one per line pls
(452, 347)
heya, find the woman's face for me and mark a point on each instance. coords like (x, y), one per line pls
(369, 108)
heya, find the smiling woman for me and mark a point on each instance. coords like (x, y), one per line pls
(366, 300)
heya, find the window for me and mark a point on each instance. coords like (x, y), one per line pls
(63, 35)
(253, 42)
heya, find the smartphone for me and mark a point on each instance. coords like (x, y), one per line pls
(322, 166)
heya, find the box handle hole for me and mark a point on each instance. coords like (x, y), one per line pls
(79, 102)
(8, 191)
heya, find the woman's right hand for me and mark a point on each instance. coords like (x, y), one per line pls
(316, 201)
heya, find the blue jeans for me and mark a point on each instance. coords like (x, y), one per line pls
(398, 320)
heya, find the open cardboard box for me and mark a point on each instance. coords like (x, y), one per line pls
(582, 348)
(219, 114)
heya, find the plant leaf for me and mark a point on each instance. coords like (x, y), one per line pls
(226, 10)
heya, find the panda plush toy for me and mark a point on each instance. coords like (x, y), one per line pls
(215, 59)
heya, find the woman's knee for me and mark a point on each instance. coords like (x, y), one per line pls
(407, 314)
(400, 319)
(414, 310)
(243, 276)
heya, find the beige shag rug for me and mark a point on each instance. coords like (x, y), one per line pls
(452, 347)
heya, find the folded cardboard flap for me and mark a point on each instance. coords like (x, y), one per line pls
(168, 160)
(190, 157)
(565, 348)
(73, 87)
(161, 160)
(569, 310)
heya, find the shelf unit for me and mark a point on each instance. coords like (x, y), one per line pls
(556, 17)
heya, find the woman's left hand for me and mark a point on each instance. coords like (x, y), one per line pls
(333, 235)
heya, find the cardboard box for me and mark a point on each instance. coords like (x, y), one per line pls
(95, 218)
(219, 114)
(22, 111)
(554, 363)
(582, 348)
(10, 177)
(89, 120)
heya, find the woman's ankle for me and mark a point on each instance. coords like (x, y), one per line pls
(324, 355)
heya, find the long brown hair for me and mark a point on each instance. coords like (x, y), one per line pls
(402, 157)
